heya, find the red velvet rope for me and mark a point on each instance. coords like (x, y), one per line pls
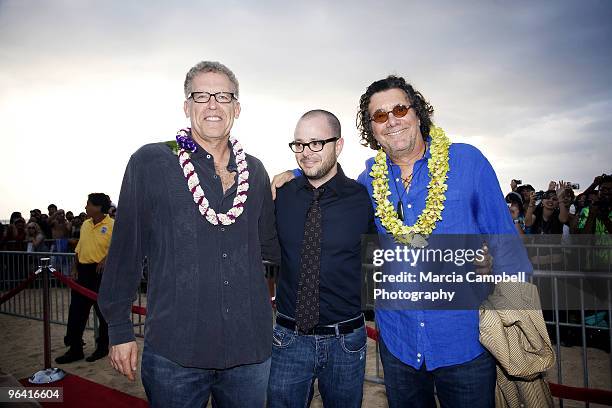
(591, 395)
(372, 333)
(90, 293)
(18, 289)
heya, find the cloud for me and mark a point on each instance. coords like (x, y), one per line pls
(526, 82)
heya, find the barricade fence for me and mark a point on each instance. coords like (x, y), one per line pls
(566, 276)
(16, 266)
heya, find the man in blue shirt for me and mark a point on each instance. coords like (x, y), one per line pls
(421, 349)
(321, 217)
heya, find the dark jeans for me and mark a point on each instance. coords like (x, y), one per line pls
(170, 385)
(467, 385)
(337, 362)
(80, 307)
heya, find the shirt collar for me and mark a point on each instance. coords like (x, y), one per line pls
(427, 154)
(202, 154)
(104, 221)
(335, 184)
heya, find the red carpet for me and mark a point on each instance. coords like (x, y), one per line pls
(80, 392)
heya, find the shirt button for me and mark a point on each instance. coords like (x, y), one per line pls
(419, 355)
(227, 310)
(225, 256)
(208, 156)
(396, 179)
(422, 324)
(226, 283)
(215, 176)
(418, 360)
(222, 229)
(409, 206)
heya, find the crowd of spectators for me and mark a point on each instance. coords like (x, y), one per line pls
(557, 217)
(57, 230)
(557, 210)
(578, 226)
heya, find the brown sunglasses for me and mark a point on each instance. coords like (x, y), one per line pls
(399, 111)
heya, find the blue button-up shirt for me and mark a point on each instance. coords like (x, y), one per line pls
(474, 205)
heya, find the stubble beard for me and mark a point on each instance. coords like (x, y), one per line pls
(397, 154)
(316, 174)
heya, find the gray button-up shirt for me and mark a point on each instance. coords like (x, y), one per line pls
(207, 301)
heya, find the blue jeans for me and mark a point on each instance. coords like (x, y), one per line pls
(467, 385)
(338, 362)
(170, 385)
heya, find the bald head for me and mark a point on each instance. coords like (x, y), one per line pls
(318, 133)
(331, 119)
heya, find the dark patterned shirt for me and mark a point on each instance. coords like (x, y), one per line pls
(207, 301)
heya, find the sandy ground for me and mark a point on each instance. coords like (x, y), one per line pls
(21, 354)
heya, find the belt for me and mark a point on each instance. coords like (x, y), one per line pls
(344, 327)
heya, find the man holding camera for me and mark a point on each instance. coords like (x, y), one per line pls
(596, 218)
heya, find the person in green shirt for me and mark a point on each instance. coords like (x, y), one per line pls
(596, 219)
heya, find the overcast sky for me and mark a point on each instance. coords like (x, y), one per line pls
(83, 84)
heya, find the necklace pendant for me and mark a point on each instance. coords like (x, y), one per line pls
(400, 210)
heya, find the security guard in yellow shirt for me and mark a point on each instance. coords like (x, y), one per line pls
(91, 253)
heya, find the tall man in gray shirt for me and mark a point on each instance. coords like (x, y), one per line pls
(205, 220)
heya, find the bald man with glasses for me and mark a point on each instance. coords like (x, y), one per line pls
(321, 217)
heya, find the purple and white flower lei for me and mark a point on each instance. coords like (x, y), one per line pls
(186, 147)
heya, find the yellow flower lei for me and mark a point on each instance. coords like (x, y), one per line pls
(434, 204)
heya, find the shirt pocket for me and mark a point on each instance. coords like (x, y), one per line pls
(456, 212)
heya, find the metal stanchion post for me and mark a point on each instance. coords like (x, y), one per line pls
(47, 374)
(46, 313)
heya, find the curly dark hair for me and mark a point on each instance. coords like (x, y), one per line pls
(423, 109)
(100, 200)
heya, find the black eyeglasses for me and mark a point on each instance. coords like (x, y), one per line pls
(399, 111)
(313, 145)
(203, 97)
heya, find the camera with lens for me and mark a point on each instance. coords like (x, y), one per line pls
(539, 195)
